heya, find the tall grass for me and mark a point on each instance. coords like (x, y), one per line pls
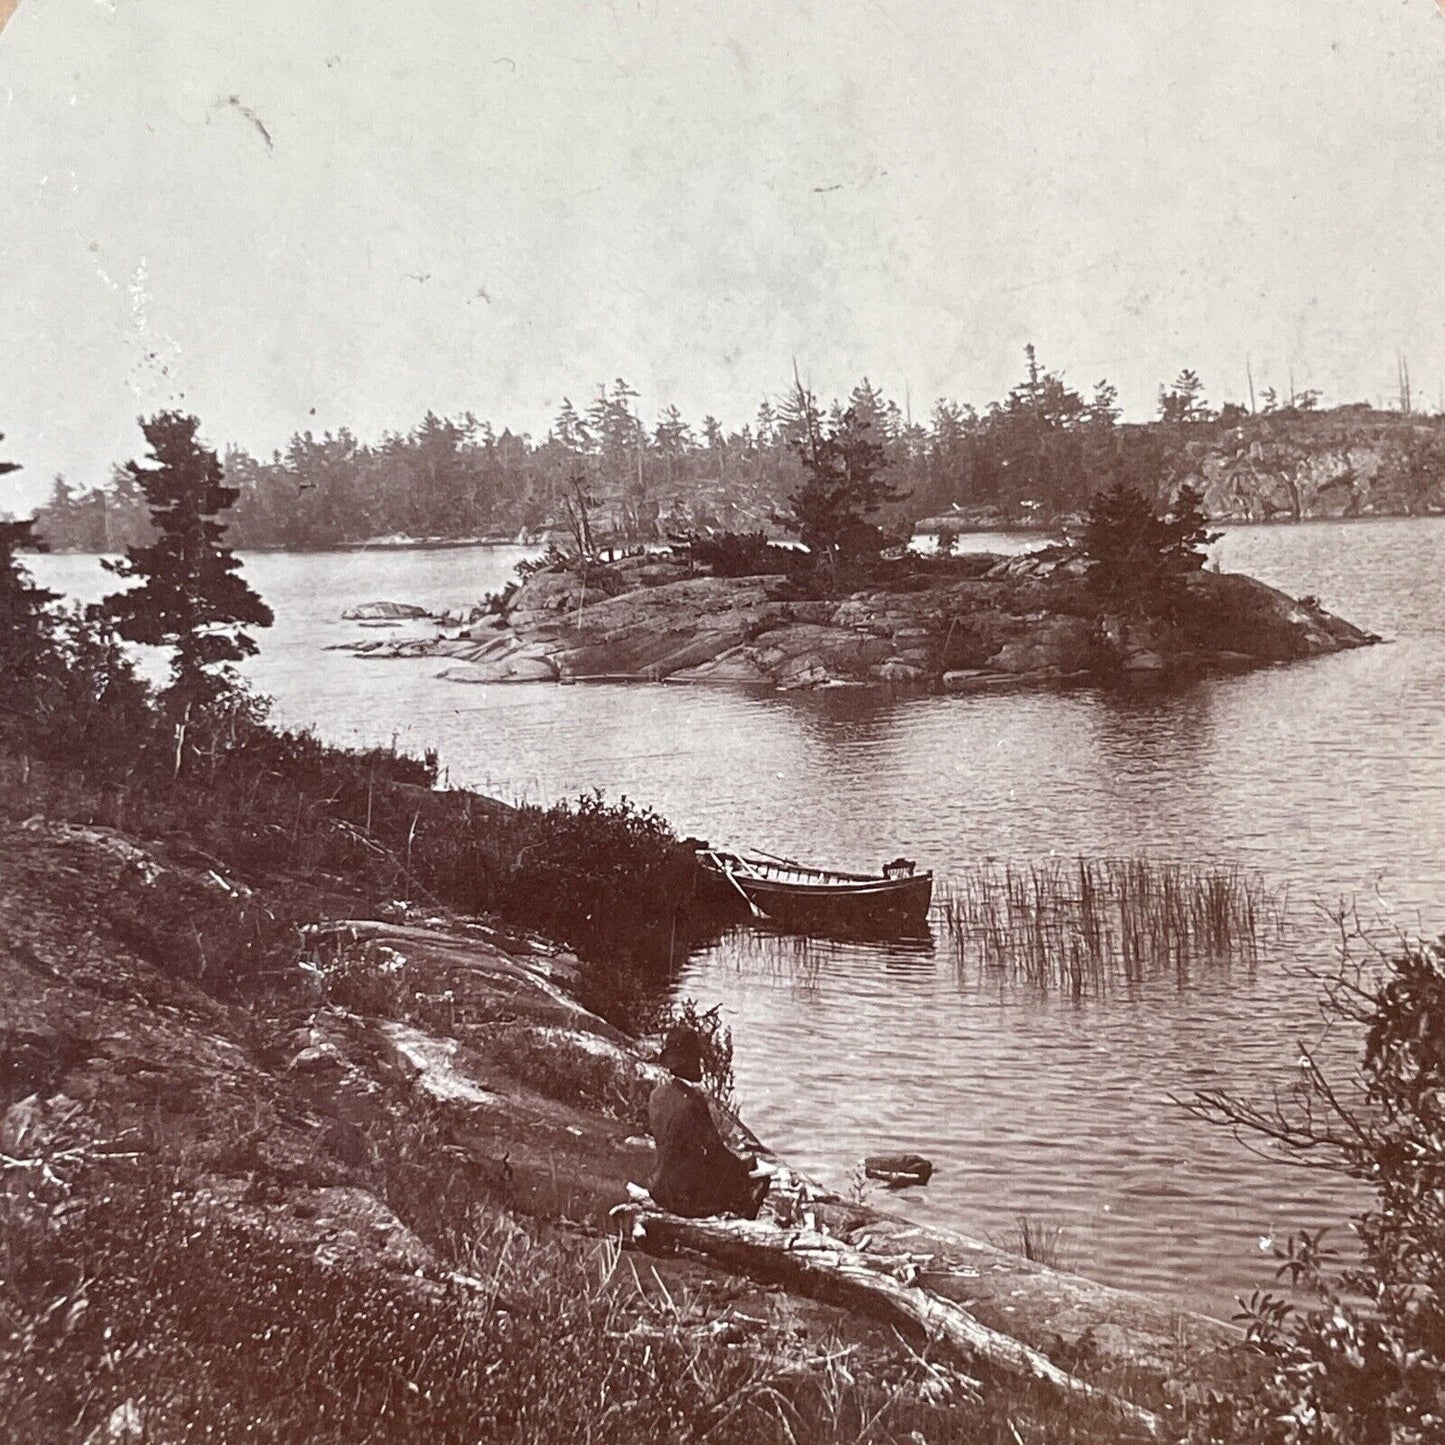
(1035, 1238)
(607, 878)
(1079, 924)
(145, 1311)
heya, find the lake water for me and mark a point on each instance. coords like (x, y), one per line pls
(1327, 777)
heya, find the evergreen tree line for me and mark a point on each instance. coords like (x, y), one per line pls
(195, 758)
(1041, 453)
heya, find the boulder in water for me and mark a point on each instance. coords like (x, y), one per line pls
(383, 612)
(898, 1171)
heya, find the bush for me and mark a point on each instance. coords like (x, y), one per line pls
(607, 878)
(745, 554)
(601, 576)
(554, 1065)
(97, 711)
(1365, 1362)
(554, 559)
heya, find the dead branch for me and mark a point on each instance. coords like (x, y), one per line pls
(826, 1268)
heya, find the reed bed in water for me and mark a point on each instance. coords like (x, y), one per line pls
(1079, 923)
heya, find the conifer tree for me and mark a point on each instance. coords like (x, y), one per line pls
(1140, 556)
(844, 481)
(191, 596)
(26, 629)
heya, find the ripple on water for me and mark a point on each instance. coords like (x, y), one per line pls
(1326, 776)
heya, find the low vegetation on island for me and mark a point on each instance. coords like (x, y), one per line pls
(306, 1135)
(1129, 595)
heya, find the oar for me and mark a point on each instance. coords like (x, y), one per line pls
(742, 893)
(791, 862)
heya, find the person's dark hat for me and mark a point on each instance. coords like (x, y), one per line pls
(682, 1053)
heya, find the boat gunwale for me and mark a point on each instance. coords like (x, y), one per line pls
(825, 882)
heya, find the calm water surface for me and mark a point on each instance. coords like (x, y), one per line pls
(1327, 776)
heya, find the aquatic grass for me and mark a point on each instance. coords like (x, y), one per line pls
(1035, 1238)
(1079, 924)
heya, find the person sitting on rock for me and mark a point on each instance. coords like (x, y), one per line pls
(696, 1174)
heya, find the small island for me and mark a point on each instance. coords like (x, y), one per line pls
(315, 1071)
(947, 624)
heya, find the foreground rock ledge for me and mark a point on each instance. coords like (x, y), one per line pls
(984, 623)
(99, 1044)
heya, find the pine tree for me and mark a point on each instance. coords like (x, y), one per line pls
(191, 595)
(844, 481)
(26, 627)
(1184, 401)
(1140, 557)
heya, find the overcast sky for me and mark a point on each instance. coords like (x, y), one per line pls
(372, 207)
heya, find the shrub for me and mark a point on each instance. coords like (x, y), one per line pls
(744, 554)
(551, 1063)
(1365, 1361)
(98, 713)
(26, 625)
(365, 979)
(604, 877)
(554, 559)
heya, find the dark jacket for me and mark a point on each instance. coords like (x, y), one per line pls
(697, 1174)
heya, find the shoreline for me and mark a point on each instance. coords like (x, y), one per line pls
(957, 625)
(1042, 530)
(472, 1029)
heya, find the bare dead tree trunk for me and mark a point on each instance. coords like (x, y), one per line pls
(829, 1269)
(181, 727)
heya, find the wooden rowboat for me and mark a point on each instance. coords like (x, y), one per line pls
(802, 899)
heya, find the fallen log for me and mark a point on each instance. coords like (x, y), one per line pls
(829, 1269)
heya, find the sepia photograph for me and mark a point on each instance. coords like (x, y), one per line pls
(722, 724)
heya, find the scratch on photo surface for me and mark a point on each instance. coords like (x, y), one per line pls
(234, 102)
(858, 184)
(93, 251)
(151, 371)
(1056, 276)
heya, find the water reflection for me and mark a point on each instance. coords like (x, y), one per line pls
(1327, 777)
(1154, 727)
(807, 959)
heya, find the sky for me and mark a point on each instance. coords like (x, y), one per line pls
(297, 214)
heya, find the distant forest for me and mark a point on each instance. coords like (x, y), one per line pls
(1036, 456)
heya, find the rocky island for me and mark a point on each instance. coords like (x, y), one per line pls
(952, 624)
(314, 1074)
